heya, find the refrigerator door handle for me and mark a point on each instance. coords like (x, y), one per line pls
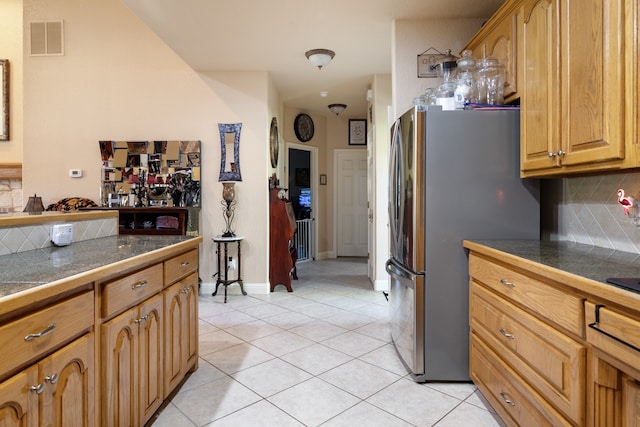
(396, 191)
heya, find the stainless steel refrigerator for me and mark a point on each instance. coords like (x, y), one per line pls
(454, 175)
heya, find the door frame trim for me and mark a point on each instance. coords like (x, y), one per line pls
(315, 182)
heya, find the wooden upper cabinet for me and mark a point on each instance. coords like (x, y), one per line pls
(592, 67)
(539, 100)
(498, 38)
(573, 86)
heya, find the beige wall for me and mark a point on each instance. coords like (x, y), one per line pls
(119, 81)
(11, 49)
(411, 38)
(331, 133)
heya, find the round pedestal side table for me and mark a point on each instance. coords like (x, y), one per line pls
(223, 264)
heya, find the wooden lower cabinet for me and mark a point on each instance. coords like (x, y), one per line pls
(148, 349)
(57, 391)
(547, 359)
(132, 354)
(514, 400)
(526, 355)
(552, 348)
(631, 393)
(181, 337)
(614, 334)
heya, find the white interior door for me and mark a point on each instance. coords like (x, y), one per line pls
(351, 208)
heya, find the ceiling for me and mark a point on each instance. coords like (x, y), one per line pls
(273, 35)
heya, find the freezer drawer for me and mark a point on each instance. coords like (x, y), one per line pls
(406, 301)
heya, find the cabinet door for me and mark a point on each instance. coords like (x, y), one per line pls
(180, 305)
(632, 402)
(68, 376)
(190, 292)
(151, 357)
(174, 314)
(592, 67)
(501, 44)
(539, 91)
(119, 370)
(18, 403)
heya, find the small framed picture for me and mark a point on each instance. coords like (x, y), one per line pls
(357, 132)
(323, 179)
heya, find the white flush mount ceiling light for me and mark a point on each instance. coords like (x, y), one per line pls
(337, 109)
(320, 57)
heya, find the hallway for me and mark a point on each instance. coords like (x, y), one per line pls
(321, 355)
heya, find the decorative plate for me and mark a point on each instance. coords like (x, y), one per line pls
(303, 127)
(273, 142)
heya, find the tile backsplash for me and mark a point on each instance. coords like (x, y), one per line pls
(586, 210)
(10, 195)
(30, 237)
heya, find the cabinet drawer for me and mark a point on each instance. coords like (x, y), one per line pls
(180, 266)
(506, 392)
(558, 306)
(548, 360)
(128, 291)
(614, 332)
(31, 337)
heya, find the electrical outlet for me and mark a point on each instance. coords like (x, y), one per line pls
(62, 234)
(232, 263)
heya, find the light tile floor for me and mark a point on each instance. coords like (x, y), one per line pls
(319, 356)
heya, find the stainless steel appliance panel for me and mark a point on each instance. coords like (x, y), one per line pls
(462, 182)
(407, 313)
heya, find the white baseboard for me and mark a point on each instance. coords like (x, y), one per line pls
(207, 288)
(381, 285)
(325, 255)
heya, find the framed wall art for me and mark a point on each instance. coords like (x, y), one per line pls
(159, 173)
(230, 152)
(4, 99)
(357, 132)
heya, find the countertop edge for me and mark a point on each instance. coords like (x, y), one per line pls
(75, 283)
(19, 219)
(591, 289)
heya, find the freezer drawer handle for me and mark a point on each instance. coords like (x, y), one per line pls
(506, 399)
(596, 327)
(504, 332)
(507, 283)
(389, 266)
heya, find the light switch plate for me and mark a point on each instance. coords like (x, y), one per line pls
(62, 234)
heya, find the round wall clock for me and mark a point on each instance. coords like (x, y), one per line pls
(303, 127)
(273, 142)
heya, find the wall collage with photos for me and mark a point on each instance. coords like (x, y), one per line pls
(150, 173)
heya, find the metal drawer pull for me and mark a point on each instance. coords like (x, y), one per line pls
(507, 283)
(185, 264)
(139, 284)
(47, 331)
(142, 319)
(506, 399)
(51, 379)
(595, 326)
(186, 290)
(504, 332)
(37, 389)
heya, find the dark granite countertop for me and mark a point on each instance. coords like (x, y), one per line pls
(591, 262)
(26, 270)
